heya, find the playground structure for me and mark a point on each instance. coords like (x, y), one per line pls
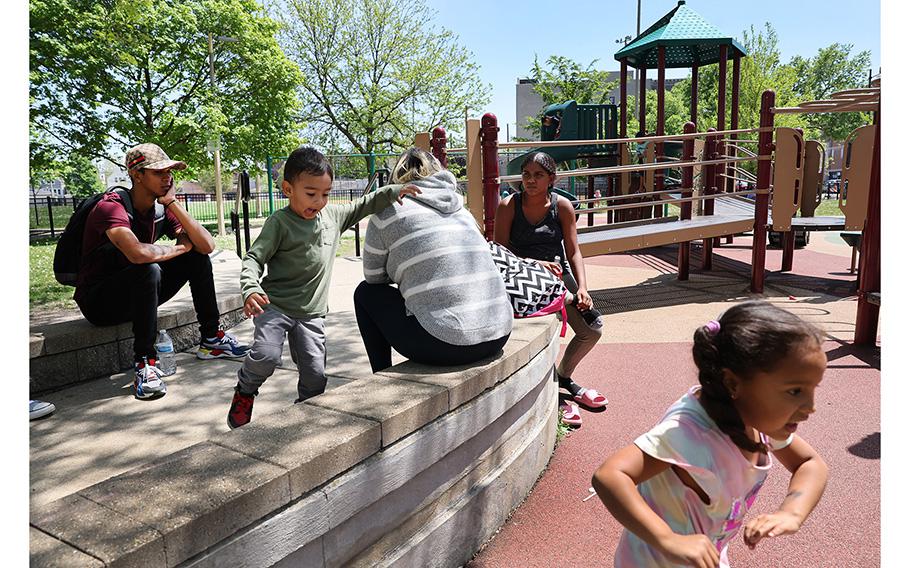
(783, 174)
(788, 176)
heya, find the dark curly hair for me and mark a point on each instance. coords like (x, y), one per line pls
(754, 336)
(307, 160)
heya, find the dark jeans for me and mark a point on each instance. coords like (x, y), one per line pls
(134, 294)
(384, 324)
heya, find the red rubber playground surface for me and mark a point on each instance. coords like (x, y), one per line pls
(557, 527)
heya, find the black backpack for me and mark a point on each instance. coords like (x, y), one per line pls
(68, 254)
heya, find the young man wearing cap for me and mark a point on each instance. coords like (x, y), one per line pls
(126, 282)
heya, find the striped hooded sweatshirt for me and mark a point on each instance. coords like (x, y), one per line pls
(431, 247)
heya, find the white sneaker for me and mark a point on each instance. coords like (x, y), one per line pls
(39, 409)
(148, 383)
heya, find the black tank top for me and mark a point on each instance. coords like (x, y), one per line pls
(542, 241)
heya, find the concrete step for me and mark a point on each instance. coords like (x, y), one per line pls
(65, 349)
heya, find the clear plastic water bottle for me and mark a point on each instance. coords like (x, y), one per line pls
(167, 359)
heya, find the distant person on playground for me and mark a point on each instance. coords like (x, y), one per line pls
(298, 244)
(450, 306)
(124, 276)
(700, 468)
(538, 224)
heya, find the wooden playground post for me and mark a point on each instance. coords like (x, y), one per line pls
(642, 81)
(422, 141)
(763, 183)
(623, 104)
(659, 130)
(438, 144)
(693, 97)
(489, 143)
(734, 124)
(474, 165)
(734, 117)
(719, 149)
(708, 176)
(685, 208)
(870, 251)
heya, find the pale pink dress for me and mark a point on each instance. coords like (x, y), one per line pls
(688, 438)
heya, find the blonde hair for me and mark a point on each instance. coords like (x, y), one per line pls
(415, 164)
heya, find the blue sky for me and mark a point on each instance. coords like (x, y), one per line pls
(584, 30)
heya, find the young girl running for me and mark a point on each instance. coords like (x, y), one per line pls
(698, 471)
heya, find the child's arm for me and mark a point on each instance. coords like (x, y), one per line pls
(349, 213)
(810, 474)
(254, 261)
(615, 482)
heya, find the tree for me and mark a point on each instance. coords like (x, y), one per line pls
(81, 177)
(566, 80)
(108, 74)
(43, 163)
(832, 70)
(377, 71)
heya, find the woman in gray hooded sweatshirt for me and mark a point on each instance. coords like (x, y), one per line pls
(450, 306)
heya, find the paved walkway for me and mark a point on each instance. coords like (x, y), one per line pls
(642, 364)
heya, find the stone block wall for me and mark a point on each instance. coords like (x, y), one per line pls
(419, 472)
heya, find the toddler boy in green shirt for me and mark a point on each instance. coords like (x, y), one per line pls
(298, 243)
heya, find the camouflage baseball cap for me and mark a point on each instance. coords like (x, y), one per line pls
(152, 157)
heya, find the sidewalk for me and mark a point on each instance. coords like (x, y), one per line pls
(100, 429)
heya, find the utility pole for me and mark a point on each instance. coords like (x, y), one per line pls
(219, 201)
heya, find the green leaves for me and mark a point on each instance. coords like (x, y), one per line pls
(108, 75)
(375, 72)
(563, 79)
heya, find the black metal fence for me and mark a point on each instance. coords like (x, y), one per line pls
(48, 215)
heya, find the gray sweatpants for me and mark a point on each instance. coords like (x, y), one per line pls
(306, 340)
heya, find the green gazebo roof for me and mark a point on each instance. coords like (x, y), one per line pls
(688, 38)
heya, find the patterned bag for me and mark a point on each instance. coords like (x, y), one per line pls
(533, 290)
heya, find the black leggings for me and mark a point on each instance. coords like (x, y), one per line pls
(134, 294)
(384, 324)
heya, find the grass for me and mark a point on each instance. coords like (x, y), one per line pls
(828, 207)
(46, 294)
(562, 429)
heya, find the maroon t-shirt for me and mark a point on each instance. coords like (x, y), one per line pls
(107, 214)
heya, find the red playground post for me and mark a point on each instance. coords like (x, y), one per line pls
(763, 184)
(489, 148)
(438, 145)
(685, 208)
(870, 251)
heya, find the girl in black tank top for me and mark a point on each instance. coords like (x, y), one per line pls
(544, 240)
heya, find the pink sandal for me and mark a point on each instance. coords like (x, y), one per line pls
(591, 398)
(570, 413)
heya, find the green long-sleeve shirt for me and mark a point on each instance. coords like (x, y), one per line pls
(300, 254)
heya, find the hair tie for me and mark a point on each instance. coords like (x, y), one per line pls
(713, 327)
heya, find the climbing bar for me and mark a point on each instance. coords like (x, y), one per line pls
(637, 168)
(739, 148)
(844, 107)
(627, 196)
(850, 100)
(645, 203)
(669, 137)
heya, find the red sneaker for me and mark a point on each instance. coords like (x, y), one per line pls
(241, 410)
